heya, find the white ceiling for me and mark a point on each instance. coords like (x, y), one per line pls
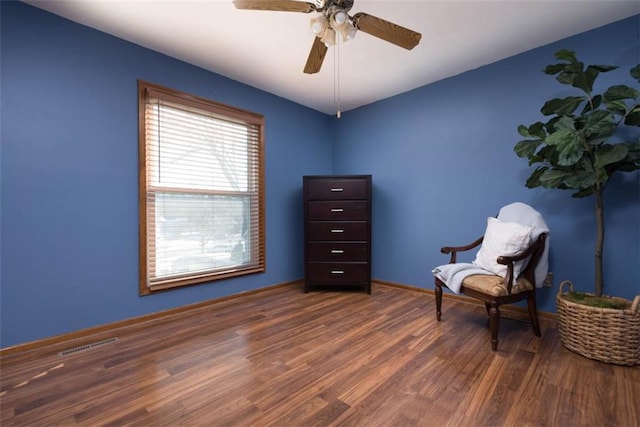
(268, 50)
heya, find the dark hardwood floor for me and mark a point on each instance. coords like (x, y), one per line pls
(285, 358)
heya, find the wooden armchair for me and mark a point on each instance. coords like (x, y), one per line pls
(496, 290)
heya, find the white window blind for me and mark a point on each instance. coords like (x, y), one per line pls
(203, 196)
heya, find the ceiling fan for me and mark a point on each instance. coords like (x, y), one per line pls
(333, 21)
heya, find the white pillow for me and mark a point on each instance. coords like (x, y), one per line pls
(503, 238)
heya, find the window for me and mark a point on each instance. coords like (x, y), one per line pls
(201, 190)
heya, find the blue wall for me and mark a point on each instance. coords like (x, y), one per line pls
(442, 161)
(69, 172)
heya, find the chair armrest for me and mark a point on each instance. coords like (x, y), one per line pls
(508, 260)
(453, 250)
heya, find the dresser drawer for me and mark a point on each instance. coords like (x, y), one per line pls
(348, 230)
(323, 272)
(338, 210)
(338, 251)
(337, 189)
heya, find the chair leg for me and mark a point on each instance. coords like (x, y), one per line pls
(438, 292)
(494, 322)
(533, 313)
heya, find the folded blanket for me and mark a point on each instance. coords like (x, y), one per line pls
(526, 215)
(454, 274)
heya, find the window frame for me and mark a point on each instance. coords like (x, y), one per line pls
(226, 112)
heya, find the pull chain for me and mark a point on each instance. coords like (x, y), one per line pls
(336, 76)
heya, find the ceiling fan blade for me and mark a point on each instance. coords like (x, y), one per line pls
(316, 56)
(278, 5)
(386, 30)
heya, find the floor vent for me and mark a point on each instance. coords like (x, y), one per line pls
(87, 347)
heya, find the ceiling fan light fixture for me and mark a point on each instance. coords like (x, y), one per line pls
(319, 25)
(348, 32)
(339, 20)
(329, 37)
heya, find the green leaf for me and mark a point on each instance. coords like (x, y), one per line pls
(571, 153)
(564, 123)
(585, 80)
(548, 154)
(618, 92)
(635, 73)
(562, 106)
(523, 131)
(566, 55)
(580, 180)
(537, 130)
(616, 107)
(585, 192)
(607, 154)
(598, 125)
(527, 147)
(550, 126)
(633, 151)
(554, 68)
(567, 140)
(633, 116)
(560, 137)
(552, 178)
(570, 73)
(604, 68)
(534, 180)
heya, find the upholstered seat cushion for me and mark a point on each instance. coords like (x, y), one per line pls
(494, 285)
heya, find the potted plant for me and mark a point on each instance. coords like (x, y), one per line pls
(579, 149)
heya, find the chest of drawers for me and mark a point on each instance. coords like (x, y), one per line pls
(337, 231)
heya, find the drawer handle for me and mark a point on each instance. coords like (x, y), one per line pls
(337, 251)
(337, 190)
(337, 230)
(337, 271)
(337, 210)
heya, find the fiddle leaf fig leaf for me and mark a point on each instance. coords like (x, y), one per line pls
(598, 125)
(560, 137)
(635, 73)
(551, 124)
(523, 131)
(579, 180)
(562, 106)
(570, 73)
(566, 55)
(585, 192)
(548, 154)
(554, 68)
(607, 154)
(527, 147)
(633, 116)
(567, 141)
(537, 129)
(585, 81)
(570, 154)
(534, 180)
(604, 68)
(617, 107)
(553, 178)
(619, 92)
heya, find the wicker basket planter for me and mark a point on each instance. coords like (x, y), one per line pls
(604, 334)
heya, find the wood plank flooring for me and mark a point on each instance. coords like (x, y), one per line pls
(285, 358)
